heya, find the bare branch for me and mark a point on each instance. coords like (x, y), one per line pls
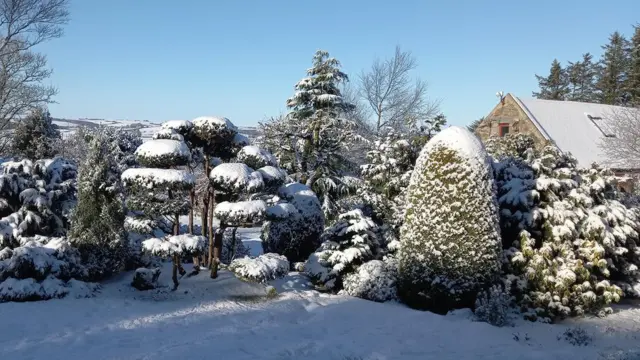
(623, 150)
(392, 95)
(25, 24)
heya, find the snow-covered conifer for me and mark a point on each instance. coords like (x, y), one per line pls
(375, 280)
(98, 219)
(260, 269)
(352, 241)
(35, 136)
(571, 246)
(450, 241)
(161, 191)
(294, 223)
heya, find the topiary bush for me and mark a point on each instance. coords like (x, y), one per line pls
(450, 244)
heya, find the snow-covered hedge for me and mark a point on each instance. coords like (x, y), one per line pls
(571, 246)
(148, 178)
(294, 223)
(214, 128)
(240, 213)
(450, 241)
(236, 178)
(260, 269)
(272, 176)
(163, 153)
(182, 245)
(374, 280)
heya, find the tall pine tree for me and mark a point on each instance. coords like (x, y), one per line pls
(614, 71)
(554, 86)
(633, 79)
(582, 80)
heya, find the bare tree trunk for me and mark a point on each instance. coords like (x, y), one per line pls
(174, 272)
(217, 240)
(233, 244)
(211, 233)
(192, 199)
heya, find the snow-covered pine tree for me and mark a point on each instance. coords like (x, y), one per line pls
(633, 79)
(614, 70)
(554, 86)
(571, 246)
(450, 241)
(582, 80)
(310, 142)
(98, 220)
(349, 243)
(35, 136)
(294, 223)
(158, 190)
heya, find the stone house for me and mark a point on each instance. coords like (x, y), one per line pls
(574, 127)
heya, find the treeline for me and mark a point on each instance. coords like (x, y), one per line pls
(613, 79)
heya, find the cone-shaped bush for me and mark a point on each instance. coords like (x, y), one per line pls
(450, 240)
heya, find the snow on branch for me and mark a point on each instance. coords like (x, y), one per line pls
(236, 178)
(158, 178)
(240, 213)
(163, 153)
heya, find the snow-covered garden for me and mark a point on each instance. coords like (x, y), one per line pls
(431, 245)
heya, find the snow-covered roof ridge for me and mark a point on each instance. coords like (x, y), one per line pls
(567, 125)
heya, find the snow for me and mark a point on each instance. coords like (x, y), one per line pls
(461, 140)
(163, 147)
(262, 268)
(177, 244)
(236, 177)
(152, 178)
(178, 125)
(567, 125)
(213, 122)
(241, 212)
(237, 321)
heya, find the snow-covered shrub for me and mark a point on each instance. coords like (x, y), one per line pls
(180, 245)
(42, 268)
(511, 145)
(450, 241)
(374, 280)
(255, 157)
(352, 241)
(494, 306)
(163, 153)
(571, 246)
(145, 279)
(294, 223)
(241, 213)
(260, 269)
(236, 178)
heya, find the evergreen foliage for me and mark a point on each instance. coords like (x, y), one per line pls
(554, 86)
(612, 79)
(450, 240)
(582, 80)
(35, 136)
(633, 77)
(98, 219)
(570, 245)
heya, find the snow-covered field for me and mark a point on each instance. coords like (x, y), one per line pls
(230, 319)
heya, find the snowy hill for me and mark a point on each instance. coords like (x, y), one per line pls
(146, 127)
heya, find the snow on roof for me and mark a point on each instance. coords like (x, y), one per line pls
(575, 127)
(162, 147)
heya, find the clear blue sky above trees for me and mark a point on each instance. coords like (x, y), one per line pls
(165, 59)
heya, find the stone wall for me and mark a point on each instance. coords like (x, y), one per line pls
(509, 112)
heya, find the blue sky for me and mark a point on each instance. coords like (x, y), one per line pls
(167, 59)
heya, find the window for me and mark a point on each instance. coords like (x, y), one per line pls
(503, 129)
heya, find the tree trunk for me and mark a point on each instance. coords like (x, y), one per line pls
(216, 250)
(211, 233)
(205, 227)
(192, 199)
(232, 255)
(174, 273)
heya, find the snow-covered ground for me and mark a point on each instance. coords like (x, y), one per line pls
(230, 319)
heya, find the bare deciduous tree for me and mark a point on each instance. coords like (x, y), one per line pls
(393, 95)
(25, 24)
(623, 150)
